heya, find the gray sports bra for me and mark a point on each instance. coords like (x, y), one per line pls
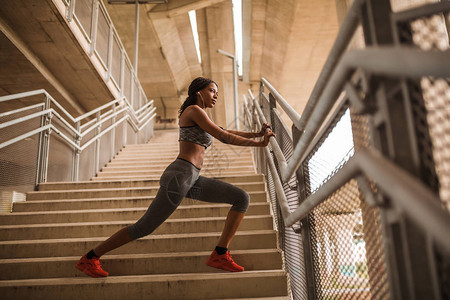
(195, 134)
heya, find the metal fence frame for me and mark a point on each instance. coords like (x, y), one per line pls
(406, 202)
(79, 127)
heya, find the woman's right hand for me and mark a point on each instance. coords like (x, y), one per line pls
(267, 136)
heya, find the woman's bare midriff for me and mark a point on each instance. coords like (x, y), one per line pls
(192, 152)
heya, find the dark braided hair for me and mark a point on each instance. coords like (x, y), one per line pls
(196, 85)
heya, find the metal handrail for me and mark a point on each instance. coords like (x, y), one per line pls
(135, 121)
(8, 113)
(421, 11)
(406, 193)
(293, 115)
(102, 121)
(402, 191)
(395, 61)
(398, 61)
(90, 113)
(275, 147)
(22, 95)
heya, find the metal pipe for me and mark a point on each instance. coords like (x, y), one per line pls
(281, 196)
(76, 153)
(21, 110)
(52, 100)
(97, 145)
(103, 132)
(86, 124)
(293, 115)
(22, 95)
(282, 164)
(421, 11)
(94, 22)
(26, 118)
(113, 135)
(24, 136)
(235, 85)
(406, 193)
(398, 61)
(146, 122)
(146, 115)
(136, 38)
(98, 109)
(102, 121)
(145, 106)
(70, 10)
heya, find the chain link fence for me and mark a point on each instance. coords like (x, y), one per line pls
(432, 100)
(348, 255)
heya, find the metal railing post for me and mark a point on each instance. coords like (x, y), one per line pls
(409, 271)
(76, 154)
(110, 52)
(272, 105)
(97, 145)
(94, 21)
(70, 11)
(40, 150)
(45, 143)
(305, 227)
(113, 135)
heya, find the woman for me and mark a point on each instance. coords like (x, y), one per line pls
(181, 178)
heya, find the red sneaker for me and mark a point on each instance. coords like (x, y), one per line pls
(91, 267)
(224, 262)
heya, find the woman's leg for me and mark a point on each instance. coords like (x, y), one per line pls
(118, 239)
(212, 190)
(216, 191)
(175, 182)
(232, 223)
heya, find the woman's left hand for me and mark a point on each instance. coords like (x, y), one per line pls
(263, 128)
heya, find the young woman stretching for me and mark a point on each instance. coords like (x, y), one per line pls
(181, 179)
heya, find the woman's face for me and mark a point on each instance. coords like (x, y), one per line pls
(208, 95)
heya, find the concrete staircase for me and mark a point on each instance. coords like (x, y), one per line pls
(43, 238)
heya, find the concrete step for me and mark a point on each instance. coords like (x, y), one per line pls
(110, 202)
(48, 186)
(119, 172)
(175, 151)
(167, 161)
(215, 145)
(217, 173)
(154, 243)
(106, 228)
(122, 214)
(170, 286)
(163, 165)
(119, 192)
(150, 170)
(223, 156)
(136, 264)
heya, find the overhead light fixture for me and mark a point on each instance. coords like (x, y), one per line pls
(140, 1)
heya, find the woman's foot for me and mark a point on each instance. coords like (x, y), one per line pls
(91, 267)
(224, 262)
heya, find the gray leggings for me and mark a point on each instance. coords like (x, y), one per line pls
(181, 179)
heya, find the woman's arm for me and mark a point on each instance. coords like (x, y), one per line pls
(199, 116)
(251, 134)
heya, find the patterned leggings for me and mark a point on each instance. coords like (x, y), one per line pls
(181, 179)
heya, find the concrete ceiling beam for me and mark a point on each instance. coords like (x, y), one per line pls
(179, 7)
